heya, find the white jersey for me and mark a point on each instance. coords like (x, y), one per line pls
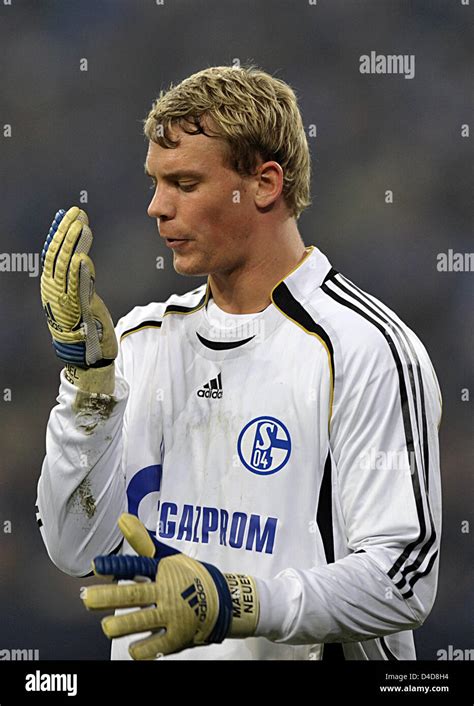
(297, 445)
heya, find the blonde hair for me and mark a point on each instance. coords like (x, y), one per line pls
(256, 114)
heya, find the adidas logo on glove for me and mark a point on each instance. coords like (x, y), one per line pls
(195, 596)
(212, 389)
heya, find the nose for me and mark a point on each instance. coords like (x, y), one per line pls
(161, 206)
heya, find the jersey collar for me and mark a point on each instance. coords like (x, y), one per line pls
(306, 277)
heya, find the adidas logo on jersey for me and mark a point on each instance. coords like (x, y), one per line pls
(212, 389)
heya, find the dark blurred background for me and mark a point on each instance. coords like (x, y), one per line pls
(76, 131)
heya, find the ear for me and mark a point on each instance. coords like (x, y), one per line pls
(269, 184)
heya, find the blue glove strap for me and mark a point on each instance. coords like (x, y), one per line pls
(224, 617)
(73, 353)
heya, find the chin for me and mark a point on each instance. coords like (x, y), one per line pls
(189, 269)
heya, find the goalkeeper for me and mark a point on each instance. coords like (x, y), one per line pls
(258, 458)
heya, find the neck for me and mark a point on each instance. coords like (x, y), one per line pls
(246, 288)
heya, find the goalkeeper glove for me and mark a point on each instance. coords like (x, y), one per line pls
(193, 602)
(79, 322)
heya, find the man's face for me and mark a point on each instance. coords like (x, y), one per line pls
(202, 202)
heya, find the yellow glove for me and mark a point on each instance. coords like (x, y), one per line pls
(192, 603)
(79, 322)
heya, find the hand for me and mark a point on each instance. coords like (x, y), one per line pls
(192, 603)
(79, 322)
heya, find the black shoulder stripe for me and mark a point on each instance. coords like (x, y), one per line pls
(400, 335)
(177, 309)
(142, 325)
(407, 423)
(171, 309)
(286, 302)
(330, 275)
(419, 378)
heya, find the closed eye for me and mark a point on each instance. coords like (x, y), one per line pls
(183, 187)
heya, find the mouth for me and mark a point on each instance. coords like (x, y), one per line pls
(176, 242)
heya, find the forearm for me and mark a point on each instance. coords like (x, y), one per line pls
(350, 600)
(81, 491)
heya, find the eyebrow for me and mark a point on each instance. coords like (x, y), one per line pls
(177, 174)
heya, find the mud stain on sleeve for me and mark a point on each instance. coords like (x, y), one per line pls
(92, 409)
(82, 500)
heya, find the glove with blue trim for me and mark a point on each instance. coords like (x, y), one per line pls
(79, 322)
(184, 602)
